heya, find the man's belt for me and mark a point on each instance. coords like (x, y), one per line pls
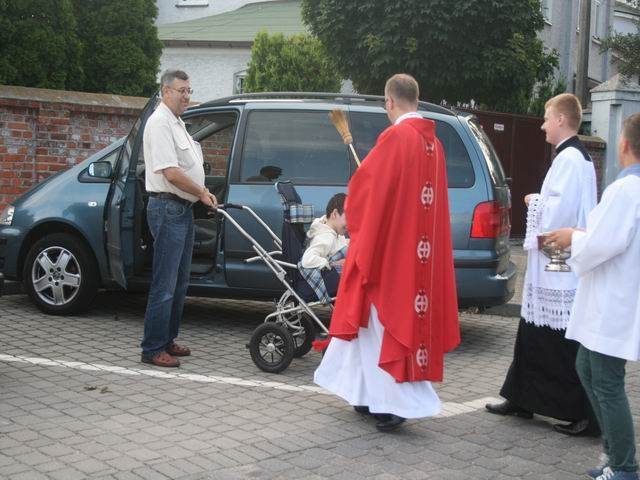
(171, 196)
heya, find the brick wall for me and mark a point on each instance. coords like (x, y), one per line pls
(215, 151)
(44, 131)
(597, 148)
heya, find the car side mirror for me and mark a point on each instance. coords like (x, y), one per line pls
(100, 170)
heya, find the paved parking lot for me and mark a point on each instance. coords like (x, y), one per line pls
(75, 402)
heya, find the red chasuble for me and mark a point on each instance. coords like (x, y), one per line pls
(400, 255)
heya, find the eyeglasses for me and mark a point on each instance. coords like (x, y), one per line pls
(183, 91)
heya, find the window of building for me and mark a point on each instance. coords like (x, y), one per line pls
(192, 3)
(545, 7)
(300, 146)
(598, 30)
(238, 81)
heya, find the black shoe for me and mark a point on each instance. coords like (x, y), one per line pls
(508, 408)
(580, 428)
(388, 422)
(362, 409)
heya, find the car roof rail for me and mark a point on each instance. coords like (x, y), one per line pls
(345, 98)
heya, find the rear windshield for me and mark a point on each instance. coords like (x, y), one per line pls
(489, 153)
(367, 126)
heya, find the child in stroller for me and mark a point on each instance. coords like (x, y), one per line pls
(323, 258)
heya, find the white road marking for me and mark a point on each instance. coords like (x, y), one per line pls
(449, 409)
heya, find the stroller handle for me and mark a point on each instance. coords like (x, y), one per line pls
(231, 205)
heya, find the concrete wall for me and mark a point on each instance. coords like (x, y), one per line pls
(562, 34)
(612, 102)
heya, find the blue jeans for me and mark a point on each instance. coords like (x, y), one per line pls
(171, 224)
(603, 379)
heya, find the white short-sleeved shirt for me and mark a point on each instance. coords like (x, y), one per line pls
(168, 144)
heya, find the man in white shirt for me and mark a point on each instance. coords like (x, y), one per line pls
(606, 312)
(542, 378)
(174, 178)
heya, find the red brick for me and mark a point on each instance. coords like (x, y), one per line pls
(13, 158)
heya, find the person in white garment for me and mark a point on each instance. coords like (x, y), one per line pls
(542, 378)
(605, 319)
(396, 312)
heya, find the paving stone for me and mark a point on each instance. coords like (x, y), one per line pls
(56, 423)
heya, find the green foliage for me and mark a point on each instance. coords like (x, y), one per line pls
(122, 50)
(543, 92)
(39, 46)
(91, 45)
(481, 49)
(628, 48)
(294, 64)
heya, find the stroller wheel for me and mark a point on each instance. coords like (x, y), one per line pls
(303, 337)
(271, 347)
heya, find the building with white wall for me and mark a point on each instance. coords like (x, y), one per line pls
(562, 33)
(215, 49)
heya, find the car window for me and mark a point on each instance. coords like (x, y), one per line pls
(301, 146)
(366, 127)
(215, 133)
(489, 153)
(111, 158)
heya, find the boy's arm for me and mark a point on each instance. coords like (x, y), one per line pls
(611, 227)
(316, 254)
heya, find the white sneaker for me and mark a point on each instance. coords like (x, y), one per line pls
(603, 462)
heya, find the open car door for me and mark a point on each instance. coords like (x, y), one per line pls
(120, 211)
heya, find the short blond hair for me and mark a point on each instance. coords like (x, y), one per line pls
(568, 105)
(403, 87)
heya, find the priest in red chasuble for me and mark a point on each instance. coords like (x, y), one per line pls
(396, 312)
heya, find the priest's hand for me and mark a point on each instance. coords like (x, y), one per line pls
(560, 237)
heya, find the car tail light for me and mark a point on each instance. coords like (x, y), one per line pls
(490, 220)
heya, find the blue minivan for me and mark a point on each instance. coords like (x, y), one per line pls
(85, 228)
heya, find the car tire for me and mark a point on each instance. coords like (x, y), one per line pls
(60, 274)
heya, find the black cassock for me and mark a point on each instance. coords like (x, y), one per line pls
(542, 377)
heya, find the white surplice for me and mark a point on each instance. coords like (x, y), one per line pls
(567, 196)
(350, 370)
(606, 259)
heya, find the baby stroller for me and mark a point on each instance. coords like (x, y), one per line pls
(289, 331)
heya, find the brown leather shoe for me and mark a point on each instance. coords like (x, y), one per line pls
(178, 351)
(161, 359)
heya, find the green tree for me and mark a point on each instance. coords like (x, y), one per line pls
(627, 46)
(481, 49)
(295, 64)
(121, 46)
(38, 44)
(543, 92)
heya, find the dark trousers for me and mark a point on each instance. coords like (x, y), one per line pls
(542, 377)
